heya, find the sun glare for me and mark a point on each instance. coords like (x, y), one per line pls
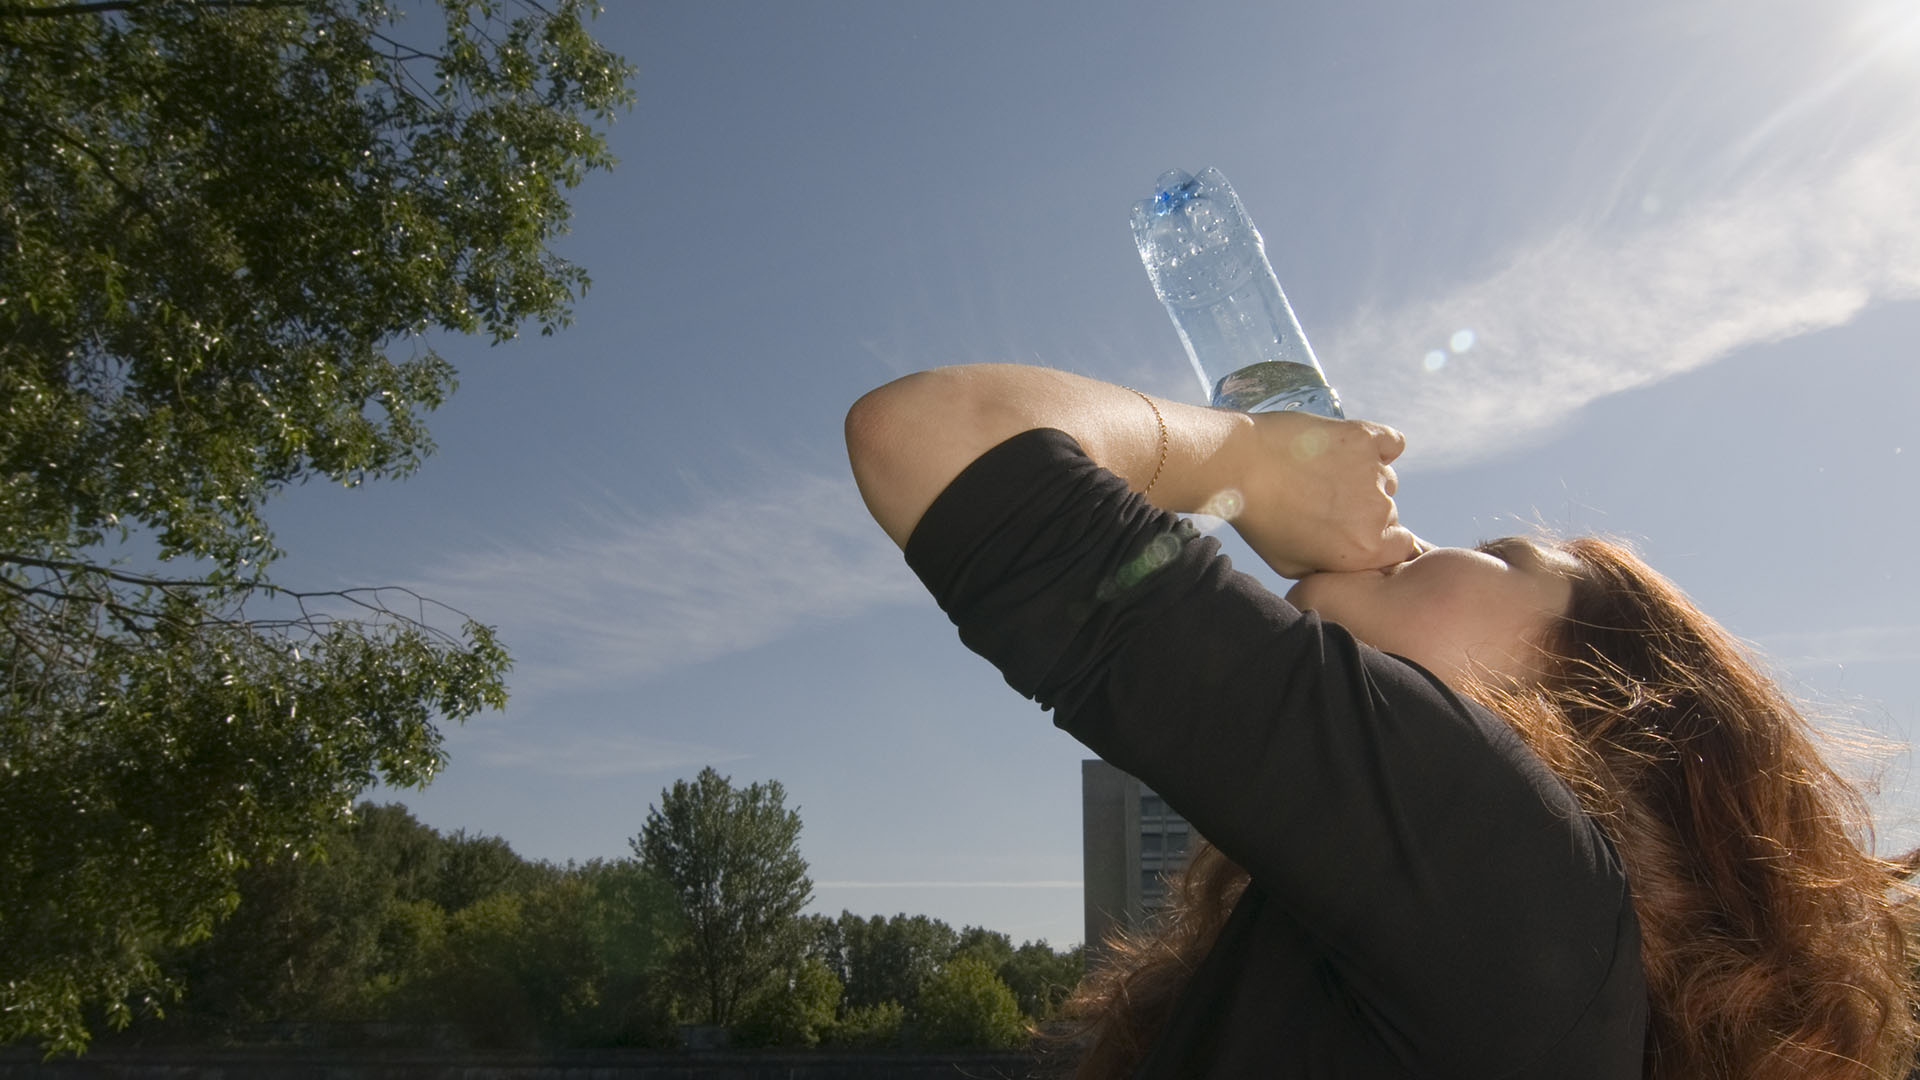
(1890, 28)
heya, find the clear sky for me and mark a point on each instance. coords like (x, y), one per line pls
(1684, 237)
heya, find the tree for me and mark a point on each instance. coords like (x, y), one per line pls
(535, 959)
(1040, 978)
(891, 959)
(636, 926)
(225, 228)
(330, 935)
(966, 1004)
(302, 943)
(732, 856)
(543, 955)
(473, 868)
(407, 854)
(870, 1027)
(991, 946)
(476, 979)
(790, 1008)
(825, 937)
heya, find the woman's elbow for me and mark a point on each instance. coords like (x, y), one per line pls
(880, 450)
(873, 420)
(864, 421)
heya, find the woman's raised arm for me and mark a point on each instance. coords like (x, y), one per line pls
(1307, 493)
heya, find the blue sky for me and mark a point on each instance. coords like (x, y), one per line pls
(1685, 237)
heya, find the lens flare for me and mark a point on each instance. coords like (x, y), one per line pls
(1435, 360)
(1225, 505)
(1159, 551)
(1461, 341)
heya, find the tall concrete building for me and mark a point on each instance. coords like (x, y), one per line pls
(1130, 843)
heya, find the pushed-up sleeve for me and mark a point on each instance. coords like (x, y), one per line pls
(1450, 874)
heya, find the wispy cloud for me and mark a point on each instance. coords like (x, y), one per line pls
(1589, 311)
(580, 754)
(1592, 311)
(1848, 645)
(622, 595)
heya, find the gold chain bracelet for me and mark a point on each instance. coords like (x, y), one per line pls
(1162, 421)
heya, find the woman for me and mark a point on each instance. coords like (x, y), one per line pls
(1519, 811)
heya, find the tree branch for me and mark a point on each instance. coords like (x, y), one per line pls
(368, 599)
(69, 566)
(104, 7)
(400, 47)
(106, 170)
(127, 617)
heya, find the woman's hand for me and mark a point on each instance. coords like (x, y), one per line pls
(1317, 494)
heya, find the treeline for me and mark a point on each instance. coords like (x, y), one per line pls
(397, 929)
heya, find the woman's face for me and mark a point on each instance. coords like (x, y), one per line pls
(1453, 611)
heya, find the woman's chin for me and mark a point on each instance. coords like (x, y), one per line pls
(1332, 588)
(1300, 595)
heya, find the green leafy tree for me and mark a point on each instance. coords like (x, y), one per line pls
(822, 936)
(559, 957)
(475, 867)
(515, 969)
(635, 927)
(791, 1008)
(966, 1004)
(407, 854)
(412, 933)
(871, 1027)
(1041, 978)
(302, 943)
(475, 980)
(549, 956)
(732, 856)
(991, 946)
(320, 936)
(560, 966)
(891, 959)
(226, 227)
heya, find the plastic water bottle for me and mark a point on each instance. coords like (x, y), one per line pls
(1209, 267)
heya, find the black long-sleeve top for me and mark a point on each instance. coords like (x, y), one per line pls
(1427, 898)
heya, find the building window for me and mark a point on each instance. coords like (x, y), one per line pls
(1152, 806)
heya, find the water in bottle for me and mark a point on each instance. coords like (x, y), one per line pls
(1209, 267)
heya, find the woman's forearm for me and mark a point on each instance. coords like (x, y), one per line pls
(908, 439)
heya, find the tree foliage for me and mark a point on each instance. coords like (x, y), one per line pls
(306, 939)
(733, 858)
(871, 1027)
(887, 964)
(355, 944)
(1041, 979)
(546, 956)
(966, 1004)
(886, 959)
(577, 960)
(989, 946)
(225, 227)
(794, 1007)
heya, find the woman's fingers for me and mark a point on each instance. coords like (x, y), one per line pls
(1322, 498)
(1390, 442)
(1407, 545)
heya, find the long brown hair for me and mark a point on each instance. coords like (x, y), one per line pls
(1774, 940)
